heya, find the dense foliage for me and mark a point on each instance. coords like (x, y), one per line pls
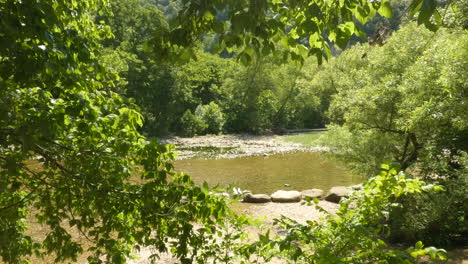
(406, 102)
(70, 152)
(407, 97)
(289, 28)
(75, 74)
(278, 96)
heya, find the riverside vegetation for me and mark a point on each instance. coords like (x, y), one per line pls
(86, 87)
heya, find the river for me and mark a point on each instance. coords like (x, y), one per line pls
(266, 174)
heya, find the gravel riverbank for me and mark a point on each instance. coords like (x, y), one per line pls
(233, 146)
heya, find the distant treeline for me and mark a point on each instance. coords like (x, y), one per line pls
(215, 93)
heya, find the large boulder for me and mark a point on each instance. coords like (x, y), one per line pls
(256, 198)
(313, 193)
(337, 193)
(286, 196)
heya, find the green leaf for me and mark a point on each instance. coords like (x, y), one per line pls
(314, 40)
(419, 245)
(385, 9)
(342, 39)
(362, 15)
(293, 34)
(415, 6)
(426, 12)
(208, 15)
(360, 33)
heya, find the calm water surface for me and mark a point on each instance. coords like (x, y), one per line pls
(302, 170)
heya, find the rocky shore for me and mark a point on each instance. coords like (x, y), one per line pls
(334, 195)
(233, 146)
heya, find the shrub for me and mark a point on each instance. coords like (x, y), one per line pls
(212, 116)
(436, 219)
(191, 124)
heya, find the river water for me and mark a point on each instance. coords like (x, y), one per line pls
(266, 174)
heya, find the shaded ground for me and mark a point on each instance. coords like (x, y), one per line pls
(296, 211)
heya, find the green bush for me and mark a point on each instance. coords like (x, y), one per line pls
(191, 124)
(436, 219)
(265, 110)
(212, 116)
